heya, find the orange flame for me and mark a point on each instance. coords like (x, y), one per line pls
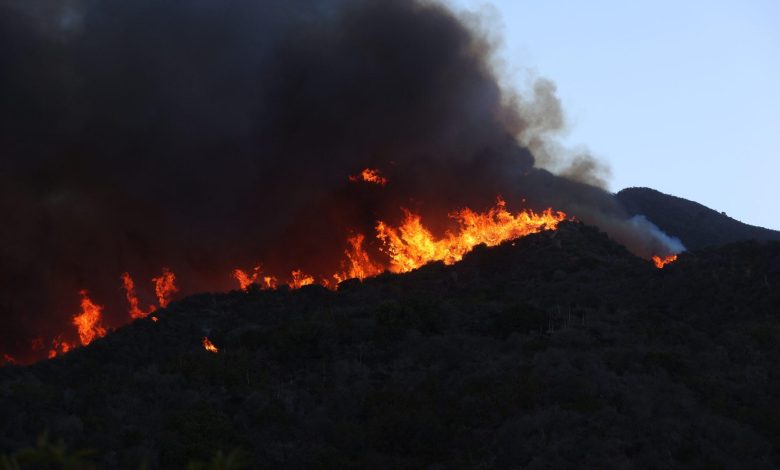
(164, 287)
(300, 279)
(244, 279)
(412, 245)
(209, 346)
(407, 246)
(270, 282)
(358, 264)
(661, 262)
(88, 321)
(132, 299)
(59, 347)
(369, 175)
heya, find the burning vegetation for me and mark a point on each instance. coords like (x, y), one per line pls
(209, 346)
(661, 261)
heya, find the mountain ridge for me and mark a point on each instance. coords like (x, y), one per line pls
(556, 349)
(695, 224)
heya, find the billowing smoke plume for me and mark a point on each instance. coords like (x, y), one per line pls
(205, 135)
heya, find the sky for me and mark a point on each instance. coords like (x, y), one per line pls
(682, 97)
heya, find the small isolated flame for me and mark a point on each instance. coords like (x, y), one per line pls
(300, 279)
(88, 322)
(412, 245)
(370, 175)
(132, 299)
(58, 347)
(270, 282)
(209, 346)
(244, 279)
(661, 262)
(164, 287)
(155, 319)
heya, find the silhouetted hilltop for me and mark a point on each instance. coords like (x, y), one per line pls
(558, 350)
(696, 225)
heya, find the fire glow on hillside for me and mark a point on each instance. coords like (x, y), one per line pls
(403, 248)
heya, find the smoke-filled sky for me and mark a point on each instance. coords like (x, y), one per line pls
(682, 97)
(203, 136)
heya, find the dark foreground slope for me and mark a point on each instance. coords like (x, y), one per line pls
(697, 226)
(558, 350)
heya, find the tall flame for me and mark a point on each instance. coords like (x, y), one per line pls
(132, 299)
(209, 346)
(412, 245)
(358, 263)
(164, 287)
(660, 262)
(88, 322)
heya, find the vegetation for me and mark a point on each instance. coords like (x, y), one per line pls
(557, 350)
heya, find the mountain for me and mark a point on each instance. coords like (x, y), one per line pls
(697, 226)
(560, 349)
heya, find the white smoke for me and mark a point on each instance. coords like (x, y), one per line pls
(673, 244)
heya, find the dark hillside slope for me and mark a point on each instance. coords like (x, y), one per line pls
(559, 350)
(696, 225)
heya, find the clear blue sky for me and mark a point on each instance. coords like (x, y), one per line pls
(680, 96)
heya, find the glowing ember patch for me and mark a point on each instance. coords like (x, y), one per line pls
(155, 319)
(300, 279)
(661, 262)
(209, 346)
(88, 321)
(412, 245)
(244, 279)
(132, 299)
(8, 359)
(369, 175)
(164, 287)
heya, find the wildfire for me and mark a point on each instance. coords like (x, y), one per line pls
(412, 245)
(358, 264)
(403, 248)
(300, 279)
(164, 287)
(370, 175)
(270, 282)
(88, 321)
(209, 346)
(244, 279)
(660, 262)
(132, 299)
(58, 346)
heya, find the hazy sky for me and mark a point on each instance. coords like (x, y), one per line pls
(683, 97)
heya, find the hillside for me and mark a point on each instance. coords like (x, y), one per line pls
(696, 225)
(557, 350)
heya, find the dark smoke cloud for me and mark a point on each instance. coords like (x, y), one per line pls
(206, 135)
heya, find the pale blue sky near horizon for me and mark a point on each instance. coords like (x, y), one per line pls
(679, 96)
